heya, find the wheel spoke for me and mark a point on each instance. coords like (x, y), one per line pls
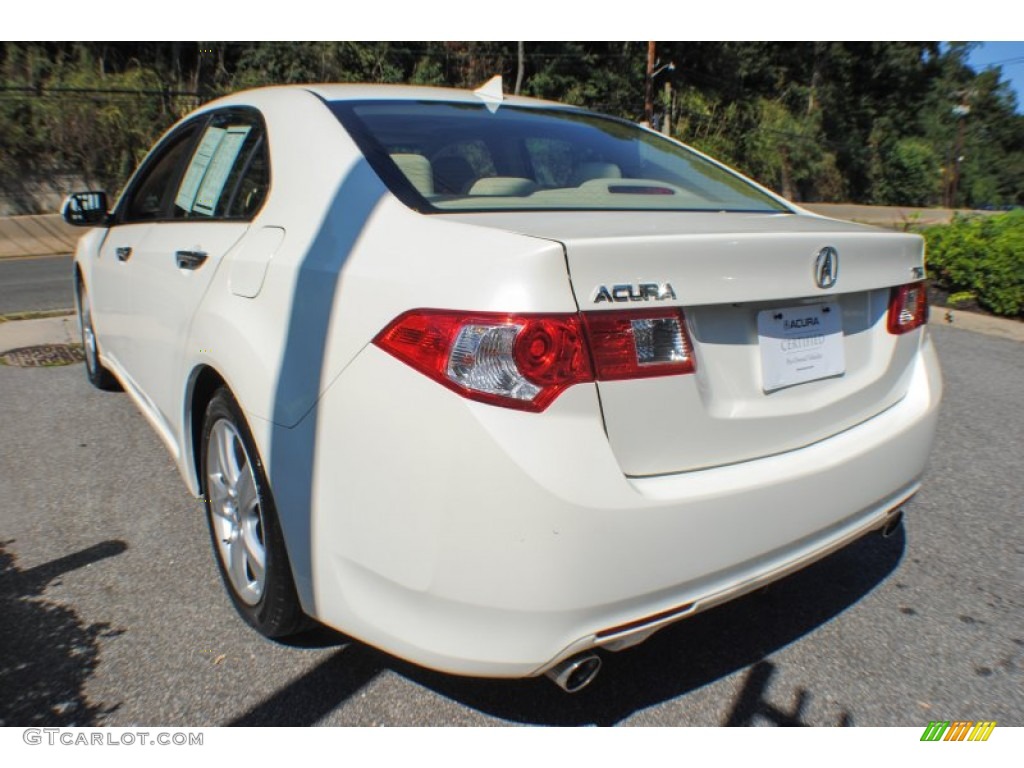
(236, 566)
(218, 488)
(246, 488)
(226, 456)
(221, 510)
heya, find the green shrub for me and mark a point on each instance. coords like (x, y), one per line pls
(981, 255)
(907, 175)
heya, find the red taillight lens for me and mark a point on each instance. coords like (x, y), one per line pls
(908, 308)
(526, 361)
(550, 351)
(517, 361)
(639, 344)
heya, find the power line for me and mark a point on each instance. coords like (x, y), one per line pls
(1014, 60)
(40, 90)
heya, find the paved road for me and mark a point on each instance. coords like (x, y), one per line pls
(36, 283)
(892, 216)
(113, 612)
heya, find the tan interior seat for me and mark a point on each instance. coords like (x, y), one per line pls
(452, 175)
(595, 170)
(417, 170)
(503, 186)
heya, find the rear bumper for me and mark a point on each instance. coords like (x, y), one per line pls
(482, 541)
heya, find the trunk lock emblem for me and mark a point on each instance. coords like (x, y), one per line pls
(826, 267)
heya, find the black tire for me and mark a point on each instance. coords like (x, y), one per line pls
(98, 376)
(273, 608)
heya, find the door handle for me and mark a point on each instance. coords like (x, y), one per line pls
(189, 259)
(123, 253)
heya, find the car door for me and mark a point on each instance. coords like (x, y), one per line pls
(113, 274)
(218, 192)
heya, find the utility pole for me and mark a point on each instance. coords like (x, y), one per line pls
(666, 123)
(961, 112)
(951, 171)
(812, 92)
(649, 85)
(521, 68)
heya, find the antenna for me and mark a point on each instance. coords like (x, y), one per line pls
(491, 93)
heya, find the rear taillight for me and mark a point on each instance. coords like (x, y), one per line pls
(908, 308)
(518, 361)
(526, 361)
(636, 345)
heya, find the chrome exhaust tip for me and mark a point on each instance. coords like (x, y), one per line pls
(575, 674)
(892, 525)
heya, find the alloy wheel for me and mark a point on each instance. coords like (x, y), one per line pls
(236, 514)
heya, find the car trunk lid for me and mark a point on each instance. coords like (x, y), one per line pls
(747, 284)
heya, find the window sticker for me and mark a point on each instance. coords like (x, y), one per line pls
(210, 167)
(220, 167)
(197, 168)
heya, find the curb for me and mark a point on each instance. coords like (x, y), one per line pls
(972, 321)
(15, 334)
(900, 217)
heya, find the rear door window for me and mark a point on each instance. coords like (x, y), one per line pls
(228, 174)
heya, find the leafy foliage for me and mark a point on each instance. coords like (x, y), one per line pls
(981, 256)
(906, 123)
(908, 173)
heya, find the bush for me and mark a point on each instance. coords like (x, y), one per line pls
(909, 174)
(983, 256)
(104, 140)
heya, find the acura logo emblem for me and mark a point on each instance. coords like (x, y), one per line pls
(826, 267)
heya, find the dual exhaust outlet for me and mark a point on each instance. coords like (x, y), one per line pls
(892, 524)
(576, 673)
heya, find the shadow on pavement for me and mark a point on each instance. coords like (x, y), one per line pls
(308, 699)
(682, 658)
(752, 703)
(46, 652)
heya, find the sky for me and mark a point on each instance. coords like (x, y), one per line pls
(1010, 58)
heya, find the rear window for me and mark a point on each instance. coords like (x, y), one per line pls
(438, 156)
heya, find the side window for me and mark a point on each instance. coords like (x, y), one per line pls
(150, 195)
(228, 174)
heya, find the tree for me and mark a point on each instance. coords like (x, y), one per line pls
(815, 120)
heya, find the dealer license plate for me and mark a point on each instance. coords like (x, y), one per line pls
(800, 344)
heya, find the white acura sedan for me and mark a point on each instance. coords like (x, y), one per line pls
(492, 383)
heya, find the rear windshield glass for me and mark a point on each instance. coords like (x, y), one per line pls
(438, 156)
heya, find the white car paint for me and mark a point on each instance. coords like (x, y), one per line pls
(487, 541)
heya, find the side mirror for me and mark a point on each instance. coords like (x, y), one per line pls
(86, 209)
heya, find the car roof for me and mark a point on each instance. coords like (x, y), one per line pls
(374, 91)
(361, 91)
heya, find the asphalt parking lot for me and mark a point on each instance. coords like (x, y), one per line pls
(113, 613)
